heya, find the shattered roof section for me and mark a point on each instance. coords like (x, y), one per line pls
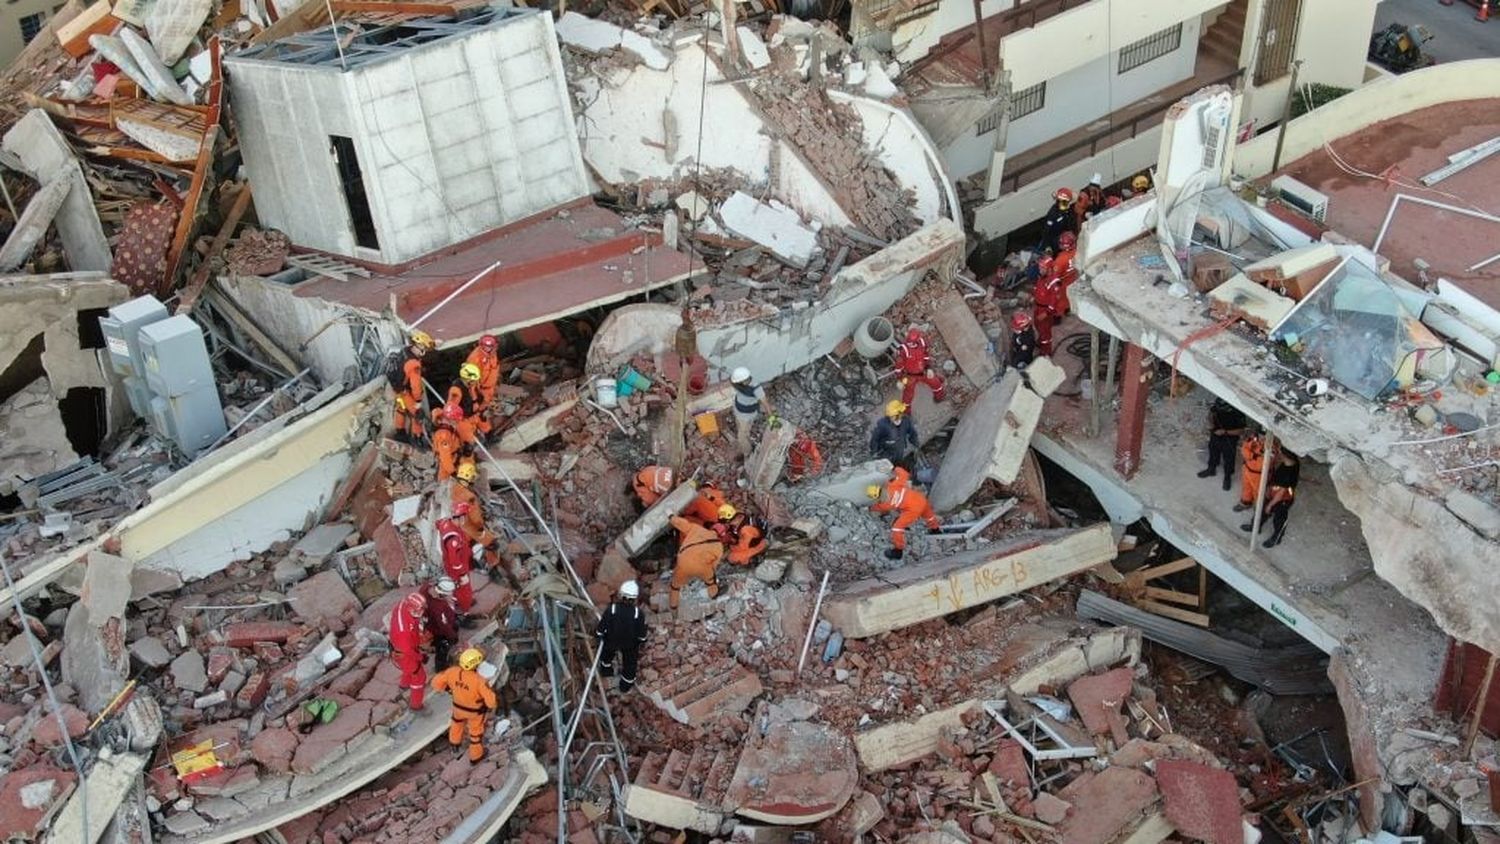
(333, 46)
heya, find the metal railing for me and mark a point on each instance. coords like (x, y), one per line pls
(1105, 138)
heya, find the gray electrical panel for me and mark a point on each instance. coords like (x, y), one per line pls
(121, 329)
(184, 404)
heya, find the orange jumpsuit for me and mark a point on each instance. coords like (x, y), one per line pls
(698, 554)
(473, 700)
(1253, 458)
(705, 508)
(748, 543)
(651, 483)
(909, 504)
(466, 426)
(409, 401)
(804, 460)
(477, 407)
(445, 446)
(473, 524)
(489, 373)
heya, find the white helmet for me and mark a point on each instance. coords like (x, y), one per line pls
(630, 589)
(740, 375)
(1096, 179)
(445, 586)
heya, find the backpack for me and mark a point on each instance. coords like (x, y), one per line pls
(395, 370)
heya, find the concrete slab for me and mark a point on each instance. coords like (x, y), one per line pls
(1045, 377)
(173, 24)
(324, 599)
(32, 226)
(1106, 805)
(913, 594)
(991, 441)
(319, 544)
(849, 485)
(655, 521)
(1202, 803)
(772, 225)
(765, 464)
(673, 811)
(799, 772)
(592, 35)
(112, 777)
(752, 48)
(46, 156)
(524, 775)
(966, 339)
(533, 430)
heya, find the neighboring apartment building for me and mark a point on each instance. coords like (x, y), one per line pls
(1048, 92)
(21, 21)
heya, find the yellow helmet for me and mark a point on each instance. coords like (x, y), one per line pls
(1140, 183)
(467, 471)
(469, 372)
(470, 659)
(895, 407)
(422, 339)
(727, 511)
(872, 491)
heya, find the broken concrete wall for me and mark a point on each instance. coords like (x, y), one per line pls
(630, 330)
(249, 497)
(907, 151)
(45, 155)
(991, 441)
(772, 347)
(323, 334)
(32, 439)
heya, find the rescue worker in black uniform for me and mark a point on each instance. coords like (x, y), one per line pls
(1226, 425)
(621, 630)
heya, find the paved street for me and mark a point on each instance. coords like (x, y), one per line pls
(1456, 35)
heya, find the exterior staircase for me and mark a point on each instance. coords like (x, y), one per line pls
(694, 695)
(1223, 38)
(683, 791)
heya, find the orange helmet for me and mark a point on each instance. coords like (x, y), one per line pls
(1063, 195)
(1067, 240)
(415, 604)
(489, 342)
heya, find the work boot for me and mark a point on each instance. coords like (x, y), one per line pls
(1206, 473)
(1272, 542)
(1227, 483)
(1242, 506)
(1247, 526)
(894, 553)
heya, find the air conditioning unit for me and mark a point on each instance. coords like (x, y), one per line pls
(1301, 197)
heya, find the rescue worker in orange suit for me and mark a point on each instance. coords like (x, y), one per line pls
(473, 700)
(445, 444)
(1281, 491)
(475, 407)
(740, 534)
(699, 551)
(1090, 199)
(900, 497)
(803, 459)
(914, 366)
(458, 561)
(651, 483)
(621, 631)
(1022, 340)
(1049, 303)
(1058, 219)
(468, 510)
(442, 620)
(456, 409)
(486, 356)
(408, 626)
(705, 507)
(406, 382)
(1252, 463)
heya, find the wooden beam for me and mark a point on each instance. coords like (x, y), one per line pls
(195, 285)
(1164, 569)
(1173, 596)
(1195, 618)
(231, 311)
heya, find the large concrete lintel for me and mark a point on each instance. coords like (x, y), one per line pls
(674, 811)
(991, 441)
(655, 520)
(896, 744)
(926, 591)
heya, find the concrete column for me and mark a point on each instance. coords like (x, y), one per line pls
(996, 176)
(1131, 425)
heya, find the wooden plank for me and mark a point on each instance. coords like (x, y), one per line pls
(925, 591)
(188, 220)
(195, 285)
(1165, 569)
(110, 780)
(1173, 596)
(1177, 613)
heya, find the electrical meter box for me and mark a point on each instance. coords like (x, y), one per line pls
(176, 358)
(121, 327)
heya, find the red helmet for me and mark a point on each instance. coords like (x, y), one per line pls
(1044, 264)
(415, 604)
(1019, 320)
(1067, 240)
(913, 335)
(461, 509)
(489, 342)
(1063, 194)
(1111, 201)
(453, 411)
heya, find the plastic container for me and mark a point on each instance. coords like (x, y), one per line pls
(708, 424)
(873, 337)
(604, 390)
(635, 381)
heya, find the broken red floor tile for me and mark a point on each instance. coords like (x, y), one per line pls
(245, 634)
(1049, 809)
(1203, 803)
(47, 733)
(27, 797)
(1106, 805)
(324, 599)
(1095, 695)
(390, 551)
(273, 749)
(798, 772)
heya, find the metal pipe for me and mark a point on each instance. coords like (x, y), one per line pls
(454, 295)
(254, 410)
(1094, 382)
(1111, 356)
(812, 624)
(1431, 203)
(588, 684)
(1286, 115)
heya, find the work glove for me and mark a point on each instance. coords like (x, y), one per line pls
(401, 404)
(774, 421)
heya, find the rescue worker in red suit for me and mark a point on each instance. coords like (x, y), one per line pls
(804, 459)
(705, 507)
(900, 497)
(442, 620)
(1062, 263)
(1050, 302)
(458, 559)
(914, 366)
(408, 627)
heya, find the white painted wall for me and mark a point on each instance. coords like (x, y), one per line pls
(912, 39)
(454, 138)
(776, 346)
(1333, 37)
(1083, 34)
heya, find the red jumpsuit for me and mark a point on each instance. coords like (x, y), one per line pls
(910, 505)
(914, 366)
(406, 650)
(1051, 302)
(804, 460)
(458, 561)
